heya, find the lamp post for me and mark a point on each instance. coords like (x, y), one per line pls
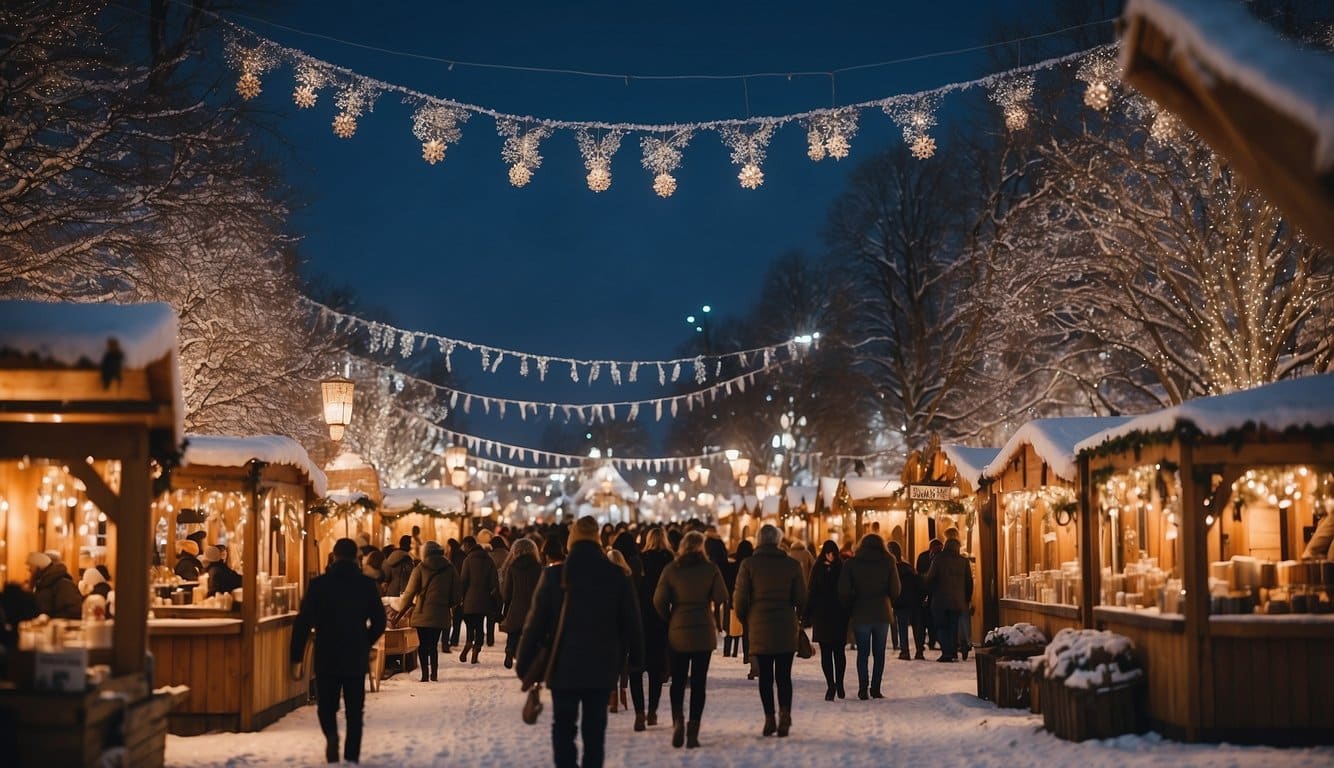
(337, 395)
(700, 322)
(456, 465)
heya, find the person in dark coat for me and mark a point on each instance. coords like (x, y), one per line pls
(54, 589)
(499, 552)
(344, 609)
(770, 594)
(908, 606)
(222, 579)
(828, 618)
(481, 595)
(868, 584)
(690, 585)
(397, 568)
(950, 582)
(743, 550)
(655, 558)
(600, 636)
(518, 582)
(624, 543)
(433, 591)
(188, 566)
(923, 565)
(455, 554)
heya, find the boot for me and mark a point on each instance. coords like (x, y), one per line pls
(829, 693)
(463, 657)
(435, 668)
(784, 722)
(509, 660)
(331, 750)
(861, 692)
(904, 655)
(426, 672)
(612, 702)
(875, 692)
(678, 731)
(640, 723)
(920, 655)
(652, 718)
(476, 649)
(838, 688)
(692, 734)
(770, 725)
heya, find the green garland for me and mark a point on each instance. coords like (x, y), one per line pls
(328, 508)
(418, 508)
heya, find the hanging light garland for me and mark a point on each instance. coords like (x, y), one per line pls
(597, 153)
(1098, 72)
(830, 135)
(310, 78)
(662, 156)
(1166, 127)
(436, 127)
(1014, 97)
(354, 99)
(521, 149)
(916, 116)
(253, 62)
(748, 148)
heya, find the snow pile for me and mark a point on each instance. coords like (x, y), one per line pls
(969, 462)
(1022, 633)
(345, 497)
(444, 500)
(1305, 403)
(1090, 658)
(73, 334)
(1054, 442)
(232, 451)
(347, 460)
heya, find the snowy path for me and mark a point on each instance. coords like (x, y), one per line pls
(930, 718)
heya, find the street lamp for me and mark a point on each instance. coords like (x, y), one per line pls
(456, 469)
(740, 466)
(337, 394)
(700, 323)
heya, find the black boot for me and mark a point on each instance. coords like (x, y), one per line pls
(692, 734)
(678, 731)
(331, 751)
(652, 718)
(875, 692)
(476, 649)
(861, 692)
(829, 693)
(770, 725)
(435, 668)
(784, 722)
(640, 723)
(463, 656)
(509, 660)
(838, 688)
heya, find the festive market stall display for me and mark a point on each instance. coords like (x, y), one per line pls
(1035, 484)
(347, 510)
(1195, 521)
(438, 513)
(90, 404)
(240, 502)
(800, 510)
(606, 495)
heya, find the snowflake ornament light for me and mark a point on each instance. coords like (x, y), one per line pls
(344, 126)
(597, 152)
(829, 134)
(1014, 96)
(1098, 72)
(309, 80)
(916, 117)
(354, 99)
(837, 146)
(1165, 127)
(815, 145)
(304, 96)
(748, 151)
(662, 156)
(247, 86)
(521, 149)
(436, 126)
(252, 62)
(923, 147)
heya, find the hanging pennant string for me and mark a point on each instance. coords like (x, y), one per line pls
(388, 338)
(583, 412)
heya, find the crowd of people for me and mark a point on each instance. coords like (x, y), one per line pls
(592, 611)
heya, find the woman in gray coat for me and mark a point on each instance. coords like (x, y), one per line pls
(770, 593)
(690, 585)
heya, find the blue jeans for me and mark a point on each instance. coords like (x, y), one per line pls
(870, 639)
(565, 714)
(947, 631)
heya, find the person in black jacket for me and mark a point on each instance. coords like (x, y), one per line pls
(601, 633)
(343, 607)
(828, 618)
(924, 560)
(908, 606)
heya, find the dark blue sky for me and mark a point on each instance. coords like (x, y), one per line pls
(554, 268)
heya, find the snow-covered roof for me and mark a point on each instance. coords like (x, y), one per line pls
(970, 462)
(769, 506)
(346, 497)
(860, 488)
(1302, 403)
(233, 451)
(446, 500)
(1054, 442)
(593, 485)
(347, 460)
(1232, 45)
(798, 495)
(828, 490)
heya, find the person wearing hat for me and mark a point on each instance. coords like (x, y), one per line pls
(601, 633)
(53, 588)
(344, 609)
(398, 567)
(188, 566)
(221, 578)
(93, 583)
(433, 590)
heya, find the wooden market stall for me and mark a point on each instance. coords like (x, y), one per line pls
(875, 505)
(1194, 519)
(232, 648)
(437, 512)
(827, 524)
(90, 403)
(347, 510)
(801, 508)
(1035, 483)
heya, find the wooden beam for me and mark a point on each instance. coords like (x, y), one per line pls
(97, 490)
(134, 533)
(988, 539)
(1195, 577)
(72, 442)
(1090, 562)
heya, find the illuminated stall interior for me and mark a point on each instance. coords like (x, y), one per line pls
(802, 509)
(1200, 515)
(876, 505)
(347, 511)
(1034, 480)
(437, 512)
(606, 495)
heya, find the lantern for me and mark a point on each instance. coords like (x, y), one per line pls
(456, 457)
(703, 475)
(458, 477)
(337, 393)
(740, 469)
(775, 484)
(761, 486)
(704, 499)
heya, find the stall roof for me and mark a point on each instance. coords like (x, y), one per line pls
(1305, 403)
(797, 495)
(1054, 442)
(347, 460)
(770, 505)
(446, 500)
(234, 451)
(345, 497)
(860, 488)
(593, 485)
(828, 490)
(76, 335)
(970, 462)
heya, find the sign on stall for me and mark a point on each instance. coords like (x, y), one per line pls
(930, 492)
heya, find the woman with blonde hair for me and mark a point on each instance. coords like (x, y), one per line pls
(689, 587)
(518, 582)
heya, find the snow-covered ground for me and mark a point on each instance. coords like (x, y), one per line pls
(930, 717)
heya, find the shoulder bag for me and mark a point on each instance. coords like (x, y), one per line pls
(539, 672)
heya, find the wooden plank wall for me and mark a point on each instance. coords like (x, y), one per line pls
(207, 664)
(1050, 625)
(272, 683)
(1272, 684)
(1163, 654)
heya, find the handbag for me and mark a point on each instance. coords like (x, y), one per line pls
(539, 671)
(804, 649)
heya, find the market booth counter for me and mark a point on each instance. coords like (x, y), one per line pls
(90, 401)
(231, 648)
(1035, 483)
(1198, 516)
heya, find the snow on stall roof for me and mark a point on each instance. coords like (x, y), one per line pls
(1234, 45)
(1054, 441)
(860, 488)
(969, 462)
(769, 507)
(798, 495)
(345, 497)
(234, 451)
(67, 333)
(1307, 402)
(347, 460)
(828, 489)
(593, 485)
(447, 499)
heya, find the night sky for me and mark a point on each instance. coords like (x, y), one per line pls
(554, 268)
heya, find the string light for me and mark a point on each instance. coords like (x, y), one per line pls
(748, 151)
(1014, 97)
(252, 62)
(436, 127)
(830, 134)
(1098, 72)
(662, 156)
(354, 99)
(597, 153)
(1165, 128)
(916, 116)
(521, 149)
